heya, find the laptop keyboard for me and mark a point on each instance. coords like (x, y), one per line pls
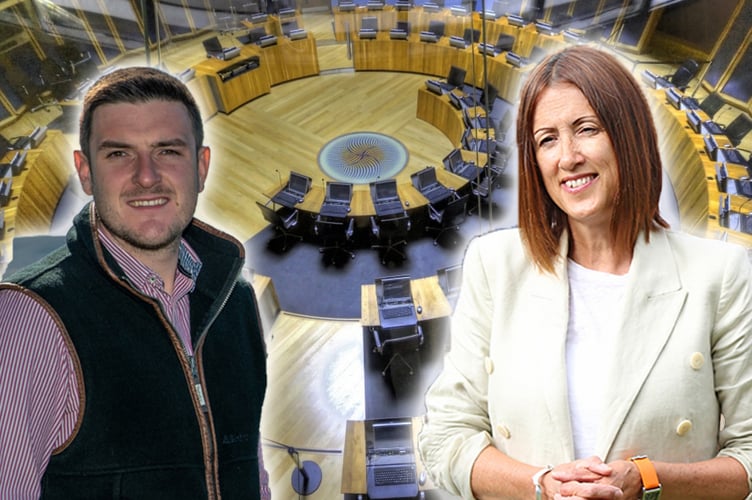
(397, 312)
(384, 476)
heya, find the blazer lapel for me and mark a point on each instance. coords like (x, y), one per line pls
(652, 304)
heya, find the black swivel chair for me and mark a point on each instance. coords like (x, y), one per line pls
(399, 332)
(738, 129)
(448, 218)
(390, 234)
(681, 77)
(284, 221)
(711, 104)
(334, 234)
(437, 28)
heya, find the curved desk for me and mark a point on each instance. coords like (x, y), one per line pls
(427, 294)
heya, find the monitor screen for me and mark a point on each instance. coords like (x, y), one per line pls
(395, 288)
(288, 26)
(370, 23)
(212, 44)
(298, 183)
(426, 177)
(386, 189)
(256, 33)
(339, 191)
(387, 435)
(453, 160)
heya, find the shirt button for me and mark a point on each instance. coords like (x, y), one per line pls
(503, 431)
(684, 427)
(696, 360)
(489, 365)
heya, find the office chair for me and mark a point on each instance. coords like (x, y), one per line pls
(504, 43)
(681, 77)
(391, 234)
(481, 191)
(447, 219)
(284, 221)
(712, 103)
(334, 234)
(394, 343)
(437, 28)
(738, 129)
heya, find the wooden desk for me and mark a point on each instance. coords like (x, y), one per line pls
(288, 59)
(230, 94)
(354, 457)
(427, 294)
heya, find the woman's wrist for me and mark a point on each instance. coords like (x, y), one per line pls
(538, 481)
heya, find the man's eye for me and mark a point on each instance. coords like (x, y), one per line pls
(115, 154)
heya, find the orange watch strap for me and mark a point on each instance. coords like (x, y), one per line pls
(647, 472)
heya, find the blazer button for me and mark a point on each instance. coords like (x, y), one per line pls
(489, 365)
(503, 431)
(696, 360)
(684, 427)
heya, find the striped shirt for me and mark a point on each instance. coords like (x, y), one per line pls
(39, 400)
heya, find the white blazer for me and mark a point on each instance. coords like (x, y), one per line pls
(683, 357)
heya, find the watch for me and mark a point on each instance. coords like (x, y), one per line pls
(651, 487)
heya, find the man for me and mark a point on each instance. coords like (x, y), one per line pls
(132, 362)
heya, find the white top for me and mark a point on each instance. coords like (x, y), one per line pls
(595, 302)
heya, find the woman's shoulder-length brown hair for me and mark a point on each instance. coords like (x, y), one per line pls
(622, 109)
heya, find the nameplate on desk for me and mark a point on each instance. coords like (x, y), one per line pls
(674, 97)
(397, 34)
(428, 36)
(346, 6)
(711, 146)
(457, 42)
(488, 14)
(17, 162)
(515, 20)
(259, 18)
(431, 7)
(367, 34)
(402, 5)
(371, 5)
(457, 10)
(571, 37)
(298, 34)
(487, 48)
(225, 54)
(286, 12)
(455, 100)
(514, 59)
(694, 121)
(267, 40)
(649, 78)
(545, 28)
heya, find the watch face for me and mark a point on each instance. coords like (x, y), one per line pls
(653, 494)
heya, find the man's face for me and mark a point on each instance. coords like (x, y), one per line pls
(143, 173)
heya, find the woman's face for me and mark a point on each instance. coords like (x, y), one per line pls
(575, 157)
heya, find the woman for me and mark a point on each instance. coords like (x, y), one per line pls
(593, 334)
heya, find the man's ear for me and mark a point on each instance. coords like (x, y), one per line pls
(84, 170)
(204, 155)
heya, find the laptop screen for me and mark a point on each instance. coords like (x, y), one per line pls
(387, 189)
(212, 44)
(453, 160)
(392, 435)
(338, 191)
(298, 183)
(395, 288)
(426, 177)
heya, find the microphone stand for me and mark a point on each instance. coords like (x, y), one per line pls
(306, 478)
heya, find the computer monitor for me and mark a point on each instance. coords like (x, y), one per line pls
(212, 45)
(426, 177)
(453, 160)
(339, 191)
(393, 288)
(392, 435)
(298, 182)
(471, 35)
(386, 189)
(456, 76)
(370, 23)
(256, 34)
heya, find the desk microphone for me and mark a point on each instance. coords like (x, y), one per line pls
(419, 309)
(279, 176)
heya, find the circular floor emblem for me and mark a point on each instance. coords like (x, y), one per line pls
(362, 157)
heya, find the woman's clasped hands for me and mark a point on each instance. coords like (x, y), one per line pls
(591, 479)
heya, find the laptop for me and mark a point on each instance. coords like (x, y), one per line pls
(430, 187)
(337, 201)
(390, 459)
(457, 165)
(395, 302)
(294, 192)
(386, 200)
